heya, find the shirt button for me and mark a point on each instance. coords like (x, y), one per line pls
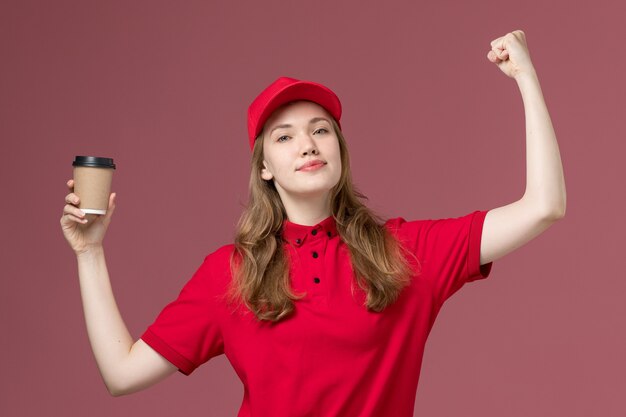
(314, 232)
(317, 280)
(298, 241)
(315, 254)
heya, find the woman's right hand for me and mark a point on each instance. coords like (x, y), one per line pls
(84, 231)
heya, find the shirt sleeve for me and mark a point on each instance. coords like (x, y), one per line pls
(448, 250)
(187, 331)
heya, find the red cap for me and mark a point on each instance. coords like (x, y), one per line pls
(284, 90)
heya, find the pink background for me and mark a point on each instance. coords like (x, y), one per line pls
(435, 130)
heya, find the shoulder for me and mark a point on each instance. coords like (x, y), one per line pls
(399, 224)
(433, 229)
(215, 267)
(395, 223)
(219, 259)
(223, 252)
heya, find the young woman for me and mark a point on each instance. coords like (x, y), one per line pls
(321, 307)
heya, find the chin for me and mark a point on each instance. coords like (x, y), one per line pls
(314, 186)
(311, 191)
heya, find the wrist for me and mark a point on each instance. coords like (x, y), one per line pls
(526, 76)
(89, 252)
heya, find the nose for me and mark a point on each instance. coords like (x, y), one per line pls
(308, 146)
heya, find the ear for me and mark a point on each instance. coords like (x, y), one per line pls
(265, 173)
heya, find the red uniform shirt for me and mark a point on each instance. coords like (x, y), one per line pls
(331, 357)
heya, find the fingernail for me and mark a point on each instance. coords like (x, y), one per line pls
(82, 213)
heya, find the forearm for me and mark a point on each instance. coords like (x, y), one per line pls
(545, 183)
(110, 340)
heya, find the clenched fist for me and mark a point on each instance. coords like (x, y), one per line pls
(510, 54)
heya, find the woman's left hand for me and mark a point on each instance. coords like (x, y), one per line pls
(510, 54)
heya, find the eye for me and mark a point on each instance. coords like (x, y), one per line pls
(280, 137)
(322, 130)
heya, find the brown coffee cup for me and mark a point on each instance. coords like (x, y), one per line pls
(92, 183)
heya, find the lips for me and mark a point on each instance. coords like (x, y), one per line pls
(312, 163)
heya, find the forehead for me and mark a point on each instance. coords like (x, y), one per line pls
(294, 110)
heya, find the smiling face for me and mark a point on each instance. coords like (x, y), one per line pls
(295, 134)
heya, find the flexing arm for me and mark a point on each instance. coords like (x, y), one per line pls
(508, 227)
(125, 366)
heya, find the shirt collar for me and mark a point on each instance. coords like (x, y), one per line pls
(299, 233)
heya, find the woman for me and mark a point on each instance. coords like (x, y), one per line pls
(320, 306)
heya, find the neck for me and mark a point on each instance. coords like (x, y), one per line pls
(307, 211)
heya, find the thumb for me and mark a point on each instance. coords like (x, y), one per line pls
(112, 205)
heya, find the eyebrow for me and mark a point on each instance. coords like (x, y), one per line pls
(312, 121)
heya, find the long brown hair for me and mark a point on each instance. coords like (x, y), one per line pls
(260, 264)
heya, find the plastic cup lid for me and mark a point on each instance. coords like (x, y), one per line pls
(93, 161)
